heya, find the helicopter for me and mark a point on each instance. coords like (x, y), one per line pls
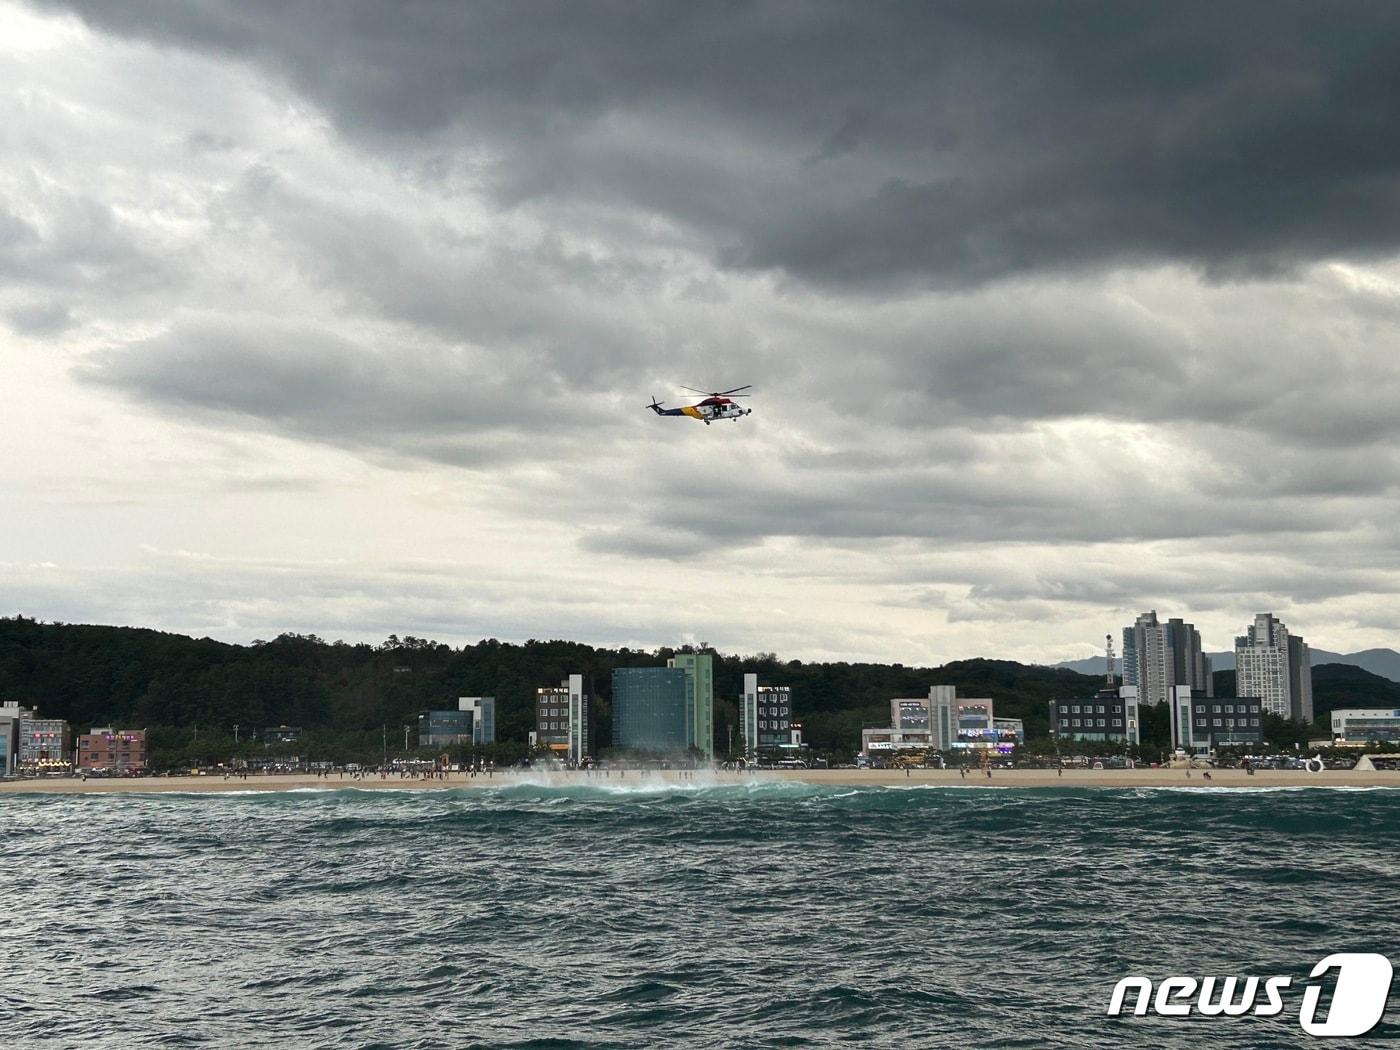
(717, 405)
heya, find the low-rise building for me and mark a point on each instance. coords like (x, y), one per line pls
(1365, 725)
(1201, 723)
(282, 734)
(942, 721)
(45, 743)
(483, 712)
(444, 728)
(105, 749)
(1109, 715)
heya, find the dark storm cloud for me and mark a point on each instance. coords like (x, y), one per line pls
(445, 404)
(867, 144)
(984, 498)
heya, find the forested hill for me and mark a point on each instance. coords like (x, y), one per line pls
(134, 677)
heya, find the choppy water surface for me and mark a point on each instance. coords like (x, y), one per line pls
(774, 915)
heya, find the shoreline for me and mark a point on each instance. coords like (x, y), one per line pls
(661, 779)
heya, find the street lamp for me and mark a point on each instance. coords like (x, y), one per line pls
(405, 739)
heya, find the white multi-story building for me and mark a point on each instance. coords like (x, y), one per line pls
(941, 722)
(1275, 666)
(1158, 657)
(1364, 726)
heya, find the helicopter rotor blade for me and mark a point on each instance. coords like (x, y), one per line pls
(720, 393)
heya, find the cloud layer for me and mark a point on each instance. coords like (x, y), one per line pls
(1051, 318)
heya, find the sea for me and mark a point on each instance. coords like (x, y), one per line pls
(690, 915)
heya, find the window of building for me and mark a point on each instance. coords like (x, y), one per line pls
(1217, 722)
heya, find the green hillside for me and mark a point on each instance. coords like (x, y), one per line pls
(198, 689)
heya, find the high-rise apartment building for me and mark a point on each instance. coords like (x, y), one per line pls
(700, 700)
(1158, 657)
(1275, 666)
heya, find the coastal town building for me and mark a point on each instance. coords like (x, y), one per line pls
(483, 712)
(1109, 715)
(765, 720)
(942, 721)
(1158, 657)
(700, 700)
(1201, 724)
(1009, 730)
(1276, 666)
(105, 749)
(445, 728)
(651, 709)
(11, 715)
(281, 734)
(45, 743)
(561, 719)
(1366, 725)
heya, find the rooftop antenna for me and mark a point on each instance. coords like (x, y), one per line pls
(1108, 644)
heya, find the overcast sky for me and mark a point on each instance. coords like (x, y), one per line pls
(342, 318)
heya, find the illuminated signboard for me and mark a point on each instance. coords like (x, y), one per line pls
(913, 714)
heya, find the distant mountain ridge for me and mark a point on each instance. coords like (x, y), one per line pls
(1383, 662)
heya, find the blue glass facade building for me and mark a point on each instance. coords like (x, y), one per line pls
(650, 708)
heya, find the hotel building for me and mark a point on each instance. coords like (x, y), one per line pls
(1200, 724)
(765, 719)
(561, 719)
(1109, 715)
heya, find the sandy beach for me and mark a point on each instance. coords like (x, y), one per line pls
(1001, 778)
